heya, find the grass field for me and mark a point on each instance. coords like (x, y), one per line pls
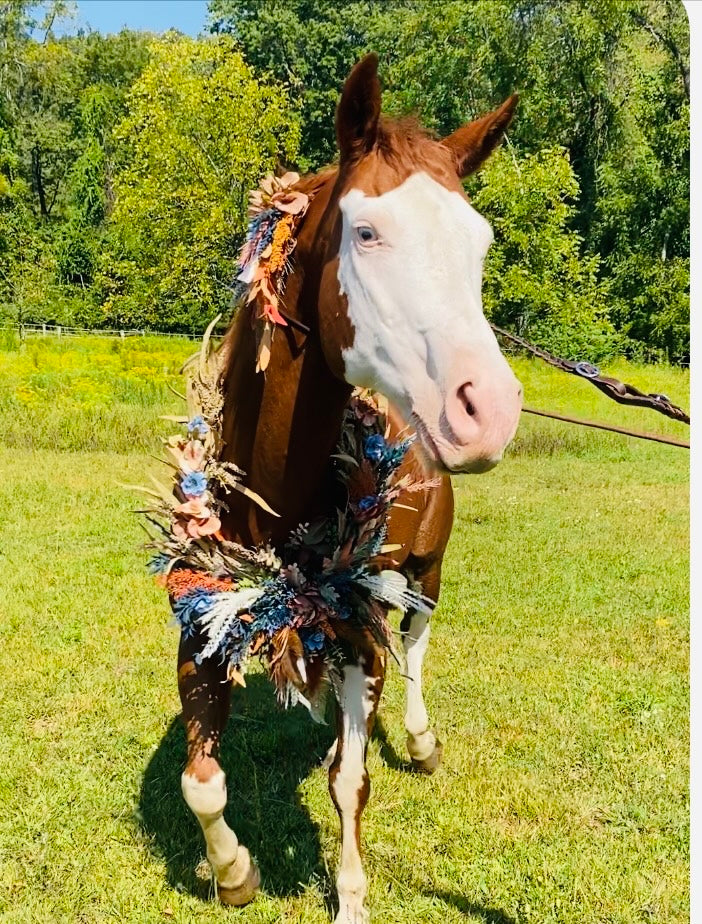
(557, 679)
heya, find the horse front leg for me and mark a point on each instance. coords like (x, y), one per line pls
(358, 687)
(424, 747)
(205, 695)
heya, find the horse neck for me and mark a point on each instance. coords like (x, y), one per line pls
(281, 426)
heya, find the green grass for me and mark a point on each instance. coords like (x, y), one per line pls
(557, 679)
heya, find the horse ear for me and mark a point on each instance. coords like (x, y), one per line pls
(359, 109)
(474, 142)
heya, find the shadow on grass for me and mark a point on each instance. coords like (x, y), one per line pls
(265, 754)
(487, 915)
(388, 754)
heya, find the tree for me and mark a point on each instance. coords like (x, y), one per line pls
(310, 46)
(199, 134)
(537, 280)
(65, 98)
(606, 80)
(641, 222)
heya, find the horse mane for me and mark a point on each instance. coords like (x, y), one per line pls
(311, 183)
(404, 146)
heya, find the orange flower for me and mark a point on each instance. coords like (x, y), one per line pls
(270, 309)
(271, 312)
(182, 580)
(280, 244)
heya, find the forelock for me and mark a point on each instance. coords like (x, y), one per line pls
(402, 148)
(405, 145)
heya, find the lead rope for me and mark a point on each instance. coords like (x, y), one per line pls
(613, 388)
(656, 437)
(618, 391)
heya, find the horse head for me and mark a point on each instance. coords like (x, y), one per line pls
(400, 306)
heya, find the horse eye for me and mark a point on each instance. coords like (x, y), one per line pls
(366, 234)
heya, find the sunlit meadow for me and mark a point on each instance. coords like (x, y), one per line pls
(557, 678)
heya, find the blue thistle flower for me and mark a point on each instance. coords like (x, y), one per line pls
(198, 424)
(374, 447)
(393, 456)
(194, 484)
(312, 640)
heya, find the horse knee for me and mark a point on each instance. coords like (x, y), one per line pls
(204, 788)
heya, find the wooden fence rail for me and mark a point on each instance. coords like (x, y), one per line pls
(58, 330)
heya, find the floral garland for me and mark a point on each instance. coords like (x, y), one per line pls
(300, 604)
(300, 599)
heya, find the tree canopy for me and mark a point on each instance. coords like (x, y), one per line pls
(199, 134)
(125, 159)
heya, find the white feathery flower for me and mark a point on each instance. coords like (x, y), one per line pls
(391, 587)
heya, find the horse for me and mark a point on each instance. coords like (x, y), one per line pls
(384, 293)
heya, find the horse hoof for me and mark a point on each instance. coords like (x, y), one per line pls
(430, 763)
(243, 894)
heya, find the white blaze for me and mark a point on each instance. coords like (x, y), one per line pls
(414, 297)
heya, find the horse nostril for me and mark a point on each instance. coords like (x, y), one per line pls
(463, 392)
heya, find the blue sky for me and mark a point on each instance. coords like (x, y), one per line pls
(155, 15)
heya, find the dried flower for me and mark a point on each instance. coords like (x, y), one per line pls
(374, 447)
(194, 484)
(193, 457)
(198, 424)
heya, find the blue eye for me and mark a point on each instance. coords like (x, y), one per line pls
(366, 234)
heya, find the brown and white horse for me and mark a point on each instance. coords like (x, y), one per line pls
(387, 277)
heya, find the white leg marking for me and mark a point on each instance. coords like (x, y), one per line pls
(349, 788)
(420, 740)
(231, 863)
(330, 755)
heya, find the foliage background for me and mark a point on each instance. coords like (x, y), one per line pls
(124, 159)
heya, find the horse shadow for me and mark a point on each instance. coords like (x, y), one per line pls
(266, 753)
(472, 910)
